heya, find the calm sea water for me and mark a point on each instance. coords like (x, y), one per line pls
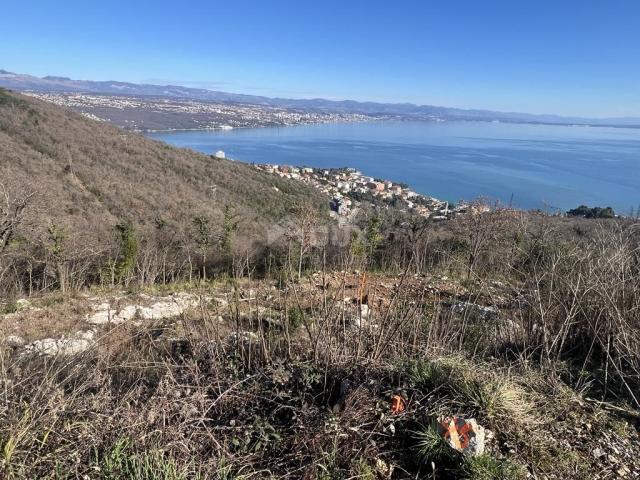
(534, 166)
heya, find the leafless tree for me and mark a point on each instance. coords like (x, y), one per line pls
(13, 207)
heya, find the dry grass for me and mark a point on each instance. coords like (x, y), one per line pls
(53, 316)
(194, 398)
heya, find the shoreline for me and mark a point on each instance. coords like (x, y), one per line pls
(257, 127)
(347, 187)
(398, 120)
(529, 199)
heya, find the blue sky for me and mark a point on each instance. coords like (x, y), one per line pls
(575, 57)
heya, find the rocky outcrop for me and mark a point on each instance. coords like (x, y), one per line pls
(148, 308)
(157, 309)
(79, 343)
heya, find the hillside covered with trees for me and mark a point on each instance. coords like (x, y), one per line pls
(74, 191)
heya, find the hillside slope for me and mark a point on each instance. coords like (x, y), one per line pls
(87, 176)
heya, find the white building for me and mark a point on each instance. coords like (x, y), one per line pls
(220, 154)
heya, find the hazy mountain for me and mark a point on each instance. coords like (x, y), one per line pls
(400, 110)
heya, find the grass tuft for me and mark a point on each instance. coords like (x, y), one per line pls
(430, 446)
(123, 462)
(498, 399)
(488, 393)
(486, 467)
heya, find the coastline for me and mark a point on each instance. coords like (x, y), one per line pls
(381, 119)
(452, 160)
(219, 129)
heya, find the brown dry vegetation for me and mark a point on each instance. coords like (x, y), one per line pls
(280, 384)
(78, 179)
(527, 322)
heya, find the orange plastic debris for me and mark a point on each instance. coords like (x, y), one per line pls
(363, 284)
(397, 404)
(462, 434)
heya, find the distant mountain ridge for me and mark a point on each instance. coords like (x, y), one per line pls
(409, 111)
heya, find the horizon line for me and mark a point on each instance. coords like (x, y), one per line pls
(185, 84)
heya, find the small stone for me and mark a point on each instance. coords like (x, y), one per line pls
(73, 346)
(46, 346)
(623, 471)
(488, 435)
(244, 337)
(383, 468)
(127, 313)
(88, 335)
(101, 316)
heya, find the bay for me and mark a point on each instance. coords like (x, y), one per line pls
(551, 167)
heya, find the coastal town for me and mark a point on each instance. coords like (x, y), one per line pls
(347, 188)
(166, 114)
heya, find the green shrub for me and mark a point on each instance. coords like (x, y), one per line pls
(296, 317)
(128, 249)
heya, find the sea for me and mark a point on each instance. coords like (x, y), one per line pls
(549, 167)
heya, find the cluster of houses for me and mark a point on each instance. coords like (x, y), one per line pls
(189, 114)
(347, 186)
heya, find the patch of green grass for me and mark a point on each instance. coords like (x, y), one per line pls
(548, 457)
(225, 472)
(486, 467)
(620, 427)
(10, 307)
(428, 375)
(122, 462)
(363, 470)
(327, 467)
(497, 399)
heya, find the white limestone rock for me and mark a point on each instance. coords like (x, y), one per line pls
(14, 341)
(101, 316)
(126, 314)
